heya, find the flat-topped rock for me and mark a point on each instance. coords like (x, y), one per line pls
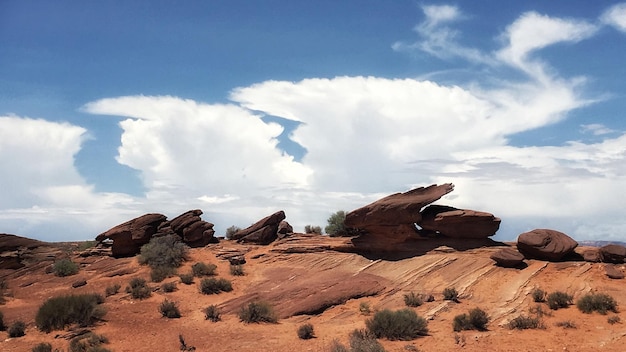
(459, 223)
(545, 244)
(508, 258)
(613, 253)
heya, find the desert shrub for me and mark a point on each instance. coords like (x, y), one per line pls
(17, 329)
(413, 300)
(538, 295)
(2, 325)
(566, 324)
(236, 270)
(212, 313)
(42, 347)
(461, 322)
(539, 311)
(65, 267)
(450, 294)
(160, 273)
(479, 319)
(305, 331)
(203, 269)
(336, 226)
(58, 312)
(138, 288)
(258, 312)
(364, 341)
(89, 342)
(313, 229)
(169, 309)
(402, 324)
(613, 319)
(523, 322)
(558, 299)
(213, 286)
(337, 346)
(112, 290)
(231, 231)
(163, 251)
(599, 302)
(364, 308)
(169, 287)
(186, 279)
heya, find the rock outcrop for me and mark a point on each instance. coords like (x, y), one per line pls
(592, 255)
(191, 228)
(263, 231)
(612, 272)
(508, 258)
(545, 244)
(458, 223)
(613, 253)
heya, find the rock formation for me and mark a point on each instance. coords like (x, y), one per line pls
(508, 258)
(263, 231)
(612, 272)
(545, 244)
(613, 253)
(458, 223)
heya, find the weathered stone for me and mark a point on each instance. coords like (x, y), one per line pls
(128, 237)
(545, 244)
(613, 253)
(592, 255)
(285, 228)
(613, 272)
(508, 258)
(263, 231)
(458, 223)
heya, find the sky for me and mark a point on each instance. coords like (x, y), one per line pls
(113, 109)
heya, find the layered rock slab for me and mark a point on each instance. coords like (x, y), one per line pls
(459, 223)
(128, 237)
(264, 231)
(613, 253)
(545, 244)
(508, 258)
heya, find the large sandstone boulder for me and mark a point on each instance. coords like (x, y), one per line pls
(128, 237)
(263, 231)
(545, 244)
(458, 223)
(508, 258)
(613, 272)
(613, 253)
(192, 229)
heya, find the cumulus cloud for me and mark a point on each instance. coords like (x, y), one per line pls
(615, 16)
(596, 129)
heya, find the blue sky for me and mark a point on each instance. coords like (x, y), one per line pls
(112, 109)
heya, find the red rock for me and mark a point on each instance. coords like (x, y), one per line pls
(508, 258)
(613, 272)
(613, 253)
(128, 237)
(263, 231)
(285, 228)
(592, 255)
(545, 244)
(459, 223)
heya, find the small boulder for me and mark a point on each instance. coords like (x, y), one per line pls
(264, 231)
(459, 223)
(613, 253)
(545, 244)
(613, 272)
(508, 258)
(592, 255)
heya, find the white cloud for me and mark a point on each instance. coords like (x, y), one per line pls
(596, 129)
(615, 16)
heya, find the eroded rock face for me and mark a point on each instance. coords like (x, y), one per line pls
(263, 231)
(192, 229)
(613, 253)
(459, 223)
(612, 272)
(128, 237)
(508, 258)
(545, 244)
(592, 255)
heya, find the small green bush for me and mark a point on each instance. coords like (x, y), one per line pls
(557, 300)
(305, 331)
(364, 341)
(169, 287)
(65, 267)
(169, 309)
(89, 342)
(58, 312)
(186, 279)
(236, 270)
(598, 302)
(164, 251)
(566, 324)
(258, 312)
(138, 288)
(313, 229)
(337, 346)
(402, 324)
(2, 325)
(539, 311)
(413, 300)
(336, 226)
(17, 329)
(203, 269)
(364, 308)
(450, 294)
(42, 347)
(112, 290)
(214, 286)
(539, 295)
(523, 322)
(212, 313)
(479, 319)
(160, 273)
(461, 322)
(613, 319)
(231, 231)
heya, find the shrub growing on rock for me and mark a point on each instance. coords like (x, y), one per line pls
(212, 313)
(598, 302)
(258, 312)
(164, 251)
(138, 288)
(58, 312)
(413, 300)
(231, 231)
(236, 270)
(558, 299)
(539, 295)
(313, 229)
(213, 286)
(201, 269)
(65, 267)
(305, 332)
(112, 290)
(614, 319)
(160, 273)
(523, 322)
(89, 342)
(42, 347)
(169, 309)
(17, 329)
(336, 226)
(186, 279)
(477, 319)
(402, 324)
(168, 287)
(450, 294)
(364, 341)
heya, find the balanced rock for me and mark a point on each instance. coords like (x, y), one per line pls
(545, 244)
(263, 231)
(128, 237)
(613, 253)
(192, 229)
(508, 258)
(458, 223)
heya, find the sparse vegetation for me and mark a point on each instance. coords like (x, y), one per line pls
(364, 308)
(112, 290)
(566, 324)
(58, 312)
(538, 295)
(337, 346)
(598, 302)
(236, 270)
(258, 312)
(138, 288)
(65, 267)
(450, 294)
(160, 273)
(163, 251)
(169, 309)
(523, 322)
(17, 329)
(477, 319)
(42, 347)
(336, 226)
(402, 324)
(313, 229)
(614, 319)
(186, 279)
(364, 341)
(231, 231)
(305, 331)
(539, 312)
(168, 287)
(201, 269)
(89, 342)
(412, 299)
(212, 313)
(557, 300)
(214, 286)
